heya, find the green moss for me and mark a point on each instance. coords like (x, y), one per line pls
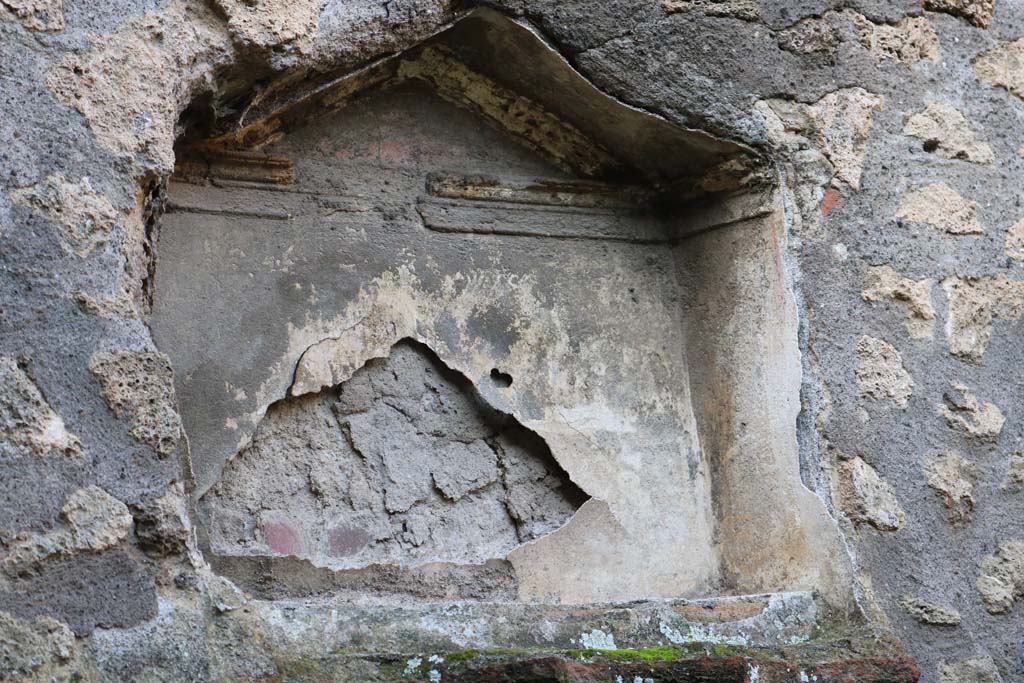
(662, 653)
(505, 651)
(460, 655)
(392, 670)
(471, 653)
(726, 650)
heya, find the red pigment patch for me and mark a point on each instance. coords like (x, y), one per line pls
(345, 540)
(281, 538)
(389, 150)
(830, 201)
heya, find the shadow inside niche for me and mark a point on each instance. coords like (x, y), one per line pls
(400, 480)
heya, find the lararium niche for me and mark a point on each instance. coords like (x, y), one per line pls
(460, 327)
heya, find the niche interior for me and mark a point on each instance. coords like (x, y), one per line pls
(460, 326)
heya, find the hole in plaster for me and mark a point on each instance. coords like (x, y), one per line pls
(930, 145)
(501, 379)
(403, 464)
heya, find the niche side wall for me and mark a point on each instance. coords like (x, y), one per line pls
(741, 327)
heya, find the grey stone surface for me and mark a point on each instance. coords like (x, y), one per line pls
(37, 649)
(110, 589)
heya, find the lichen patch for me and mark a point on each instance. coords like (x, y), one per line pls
(285, 27)
(838, 125)
(977, 12)
(1003, 66)
(748, 10)
(907, 41)
(1001, 577)
(1015, 472)
(928, 612)
(1015, 241)
(36, 15)
(37, 650)
(974, 670)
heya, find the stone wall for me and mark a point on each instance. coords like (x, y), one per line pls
(892, 128)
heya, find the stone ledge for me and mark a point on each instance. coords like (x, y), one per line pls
(700, 670)
(471, 666)
(753, 621)
(772, 638)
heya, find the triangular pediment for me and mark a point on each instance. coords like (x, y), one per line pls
(501, 71)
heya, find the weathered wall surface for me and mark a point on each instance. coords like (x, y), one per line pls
(896, 129)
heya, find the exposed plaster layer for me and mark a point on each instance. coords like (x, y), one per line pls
(400, 465)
